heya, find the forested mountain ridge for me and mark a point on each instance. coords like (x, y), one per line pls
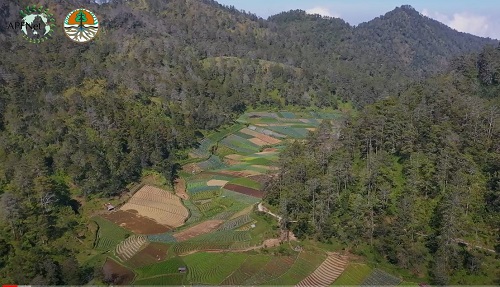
(376, 58)
(85, 120)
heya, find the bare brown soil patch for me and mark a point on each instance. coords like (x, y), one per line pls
(244, 190)
(202, 228)
(270, 149)
(153, 253)
(229, 161)
(117, 274)
(258, 141)
(273, 242)
(235, 156)
(216, 182)
(180, 188)
(265, 138)
(241, 173)
(192, 167)
(136, 223)
(311, 129)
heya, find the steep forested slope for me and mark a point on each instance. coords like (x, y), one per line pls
(414, 177)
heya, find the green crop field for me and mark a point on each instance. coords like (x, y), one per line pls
(273, 269)
(219, 135)
(194, 212)
(109, 234)
(354, 274)
(252, 265)
(240, 144)
(166, 267)
(213, 162)
(236, 222)
(164, 238)
(212, 268)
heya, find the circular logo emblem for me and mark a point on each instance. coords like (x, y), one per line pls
(81, 25)
(37, 23)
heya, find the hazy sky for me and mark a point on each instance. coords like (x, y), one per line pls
(480, 17)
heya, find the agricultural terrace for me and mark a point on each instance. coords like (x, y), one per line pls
(159, 205)
(212, 230)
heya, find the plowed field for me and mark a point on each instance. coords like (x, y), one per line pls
(202, 228)
(136, 223)
(244, 190)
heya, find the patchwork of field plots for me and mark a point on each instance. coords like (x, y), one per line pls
(158, 204)
(213, 231)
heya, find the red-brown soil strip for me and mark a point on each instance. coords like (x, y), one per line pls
(244, 190)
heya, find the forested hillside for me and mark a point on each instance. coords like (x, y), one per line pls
(413, 179)
(85, 120)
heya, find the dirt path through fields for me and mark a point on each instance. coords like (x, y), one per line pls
(180, 188)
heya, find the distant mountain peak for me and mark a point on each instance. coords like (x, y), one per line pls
(407, 7)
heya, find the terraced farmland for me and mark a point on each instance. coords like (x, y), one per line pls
(353, 275)
(224, 179)
(236, 222)
(379, 277)
(327, 272)
(304, 265)
(130, 246)
(160, 205)
(251, 266)
(276, 267)
(162, 268)
(212, 268)
(151, 254)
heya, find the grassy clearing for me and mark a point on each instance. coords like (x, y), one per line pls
(109, 234)
(264, 228)
(222, 151)
(354, 274)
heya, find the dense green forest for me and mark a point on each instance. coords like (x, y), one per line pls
(86, 120)
(416, 178)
